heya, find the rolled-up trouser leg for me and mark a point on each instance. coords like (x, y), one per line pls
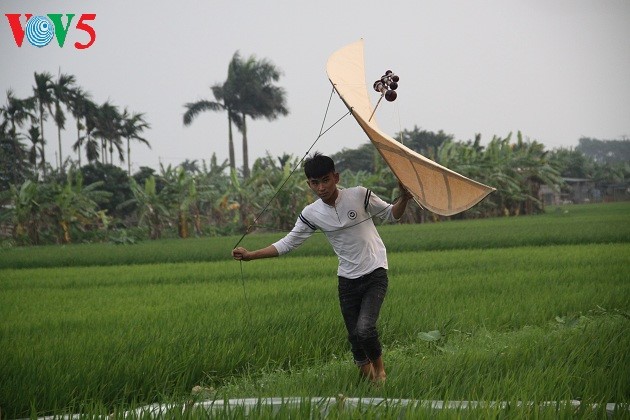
(360, 301)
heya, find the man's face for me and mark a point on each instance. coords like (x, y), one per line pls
(325, 187)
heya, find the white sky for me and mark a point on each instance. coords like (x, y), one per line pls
(554, 69)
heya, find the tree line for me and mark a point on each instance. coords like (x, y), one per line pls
(100, 202)
(101, 129)
(517, 167)
(96, 200)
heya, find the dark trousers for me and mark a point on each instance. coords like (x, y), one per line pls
(360, 301)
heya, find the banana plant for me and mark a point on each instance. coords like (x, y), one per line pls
(76, 205)
(22, 211)
(152, 206)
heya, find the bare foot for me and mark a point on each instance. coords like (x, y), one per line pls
(367, 371)
(379, 371)
(379, 379)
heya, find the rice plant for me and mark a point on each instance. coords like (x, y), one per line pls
(517, 320)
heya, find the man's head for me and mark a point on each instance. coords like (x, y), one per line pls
(321, 176)
(318, 165)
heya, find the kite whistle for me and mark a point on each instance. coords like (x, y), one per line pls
(386, 85)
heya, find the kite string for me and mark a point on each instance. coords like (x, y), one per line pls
(400, 130)
(297, 165)
(321, 133)
(272, 228)
(249, 310)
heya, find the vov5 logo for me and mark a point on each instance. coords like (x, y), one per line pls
(40, 30)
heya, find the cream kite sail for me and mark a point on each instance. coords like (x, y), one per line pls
(433, 186)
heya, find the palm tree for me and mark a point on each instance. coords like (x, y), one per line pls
(78, 105)
(223, 103)
(108, 129)
(15, 113)
(6, 160)
(251, 85)
(35, 149)
(132, 126)
(42, 93)
(62, 91)
(91, 117)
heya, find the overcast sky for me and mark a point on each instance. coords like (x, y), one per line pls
(555, 69)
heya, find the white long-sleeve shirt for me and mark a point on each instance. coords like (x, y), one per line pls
(349, 228)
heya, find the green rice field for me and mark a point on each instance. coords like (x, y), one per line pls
(531, 309)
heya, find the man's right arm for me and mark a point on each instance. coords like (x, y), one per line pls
(241, 254)
(300, 232)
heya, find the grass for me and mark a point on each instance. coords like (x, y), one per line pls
(594, 223)
(536, 313)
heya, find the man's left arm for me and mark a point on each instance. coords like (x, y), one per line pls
(398, 209)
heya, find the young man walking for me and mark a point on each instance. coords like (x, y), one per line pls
(345, 217)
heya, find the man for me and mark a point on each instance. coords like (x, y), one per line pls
(345, 217)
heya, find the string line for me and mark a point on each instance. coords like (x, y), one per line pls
(321, 133)
(273, 228)
(254, 223)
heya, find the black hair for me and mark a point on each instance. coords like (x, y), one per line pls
(318, 165)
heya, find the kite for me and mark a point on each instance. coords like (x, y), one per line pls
(433, 186)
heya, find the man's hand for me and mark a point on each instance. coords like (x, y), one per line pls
(404, 193)
(401, 204)
(241, 254)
